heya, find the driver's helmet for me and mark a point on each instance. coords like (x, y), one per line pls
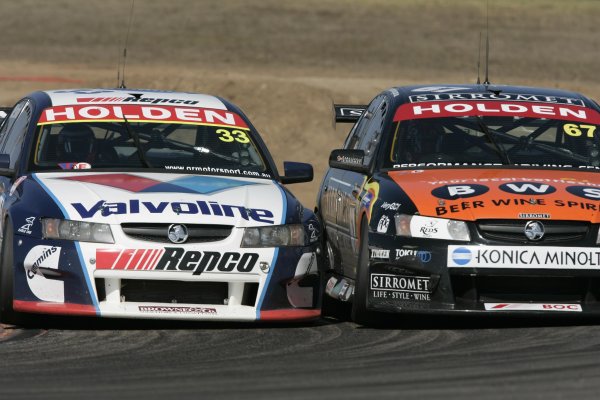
(76, 142)
(422, 137)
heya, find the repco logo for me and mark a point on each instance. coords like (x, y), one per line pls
(177, 259)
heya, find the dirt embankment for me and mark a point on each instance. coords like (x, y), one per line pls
(284, 62)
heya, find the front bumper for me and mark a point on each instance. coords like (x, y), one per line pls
(416, 276)
(206, 281)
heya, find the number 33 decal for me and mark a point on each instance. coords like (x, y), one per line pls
(229, 136)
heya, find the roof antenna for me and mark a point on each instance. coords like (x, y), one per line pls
(487, 42)
(479, 59)
(122, 84)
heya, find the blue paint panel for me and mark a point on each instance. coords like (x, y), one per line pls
(208, 184)
(78, 250)
(166, 187)
(275, 254)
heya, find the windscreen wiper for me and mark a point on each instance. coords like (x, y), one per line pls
(500, 150)
(136, 139)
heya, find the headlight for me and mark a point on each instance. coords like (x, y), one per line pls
(431, 228)
(53, 228)
(274, 236)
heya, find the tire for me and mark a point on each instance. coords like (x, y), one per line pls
(330, 307)
(7, 313)
(360, 314)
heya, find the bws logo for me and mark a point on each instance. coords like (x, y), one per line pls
(527, 188)
(199, 207)
(175, 259)
(587, 192)
(453, 192)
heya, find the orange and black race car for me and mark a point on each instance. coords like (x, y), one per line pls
(465, 199)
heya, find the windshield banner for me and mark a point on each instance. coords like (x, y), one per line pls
(137, 113)
(436, 109)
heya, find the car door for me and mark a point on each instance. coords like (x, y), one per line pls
(357, 194)
(12, 136)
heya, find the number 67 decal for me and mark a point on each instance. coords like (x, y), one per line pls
(577, 130)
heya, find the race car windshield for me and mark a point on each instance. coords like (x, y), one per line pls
(173, 147)
(489, 141)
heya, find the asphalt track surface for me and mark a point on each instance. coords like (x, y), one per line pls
(421, 358)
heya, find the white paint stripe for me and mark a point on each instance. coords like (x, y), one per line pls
(140, 260)
(117, 260)
(153, 263)
(130, 259)
(340, 182)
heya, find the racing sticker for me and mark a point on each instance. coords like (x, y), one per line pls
(174, 259)
(502, 194)
(131, 112)
(425, 227)
(381, 254)
(26, 228)
(523, 257)
(532, 307)
(441, 96)
(400, 287)
(495, 108)
(384, 222)
(177, 310)
(38, 264)
(423, 255)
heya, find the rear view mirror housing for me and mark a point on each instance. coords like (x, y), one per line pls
(296, 172)
(351, 160)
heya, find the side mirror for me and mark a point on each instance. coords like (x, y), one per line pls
(296, 172)
(5, 169)
(351, 160)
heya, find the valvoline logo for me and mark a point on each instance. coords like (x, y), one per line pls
(135, 206)
(462, 256)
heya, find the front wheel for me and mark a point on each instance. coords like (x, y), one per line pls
(7, 313)
(360, 314)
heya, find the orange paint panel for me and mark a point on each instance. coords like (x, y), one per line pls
(511, 193)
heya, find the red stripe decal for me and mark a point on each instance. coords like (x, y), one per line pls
(144, 259)
(292, 314)
(137, 255)
(154, 260)
(124, 260)
(105, 258)
(42, 307)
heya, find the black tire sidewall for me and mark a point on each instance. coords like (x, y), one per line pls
(360, 314)
(7, 313)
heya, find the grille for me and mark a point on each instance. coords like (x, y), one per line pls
(198, 233)
(513, 231)
(170, 291)
(525, 288)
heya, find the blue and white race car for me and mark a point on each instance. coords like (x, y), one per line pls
(147, 204)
